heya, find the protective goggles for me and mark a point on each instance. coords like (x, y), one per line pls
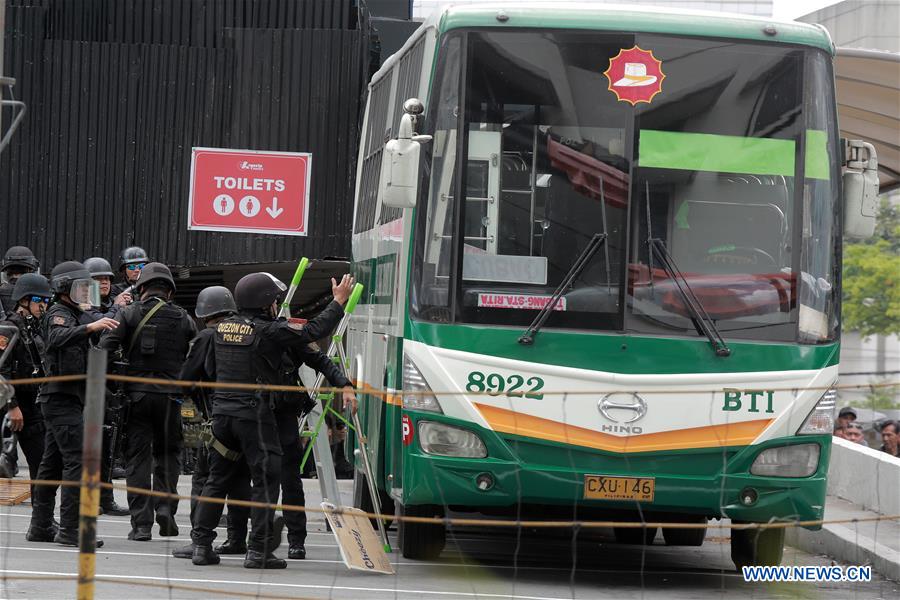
(85, 291)
(136, 266)
(40, 299)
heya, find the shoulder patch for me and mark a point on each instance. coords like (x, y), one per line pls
(59, 320)
(4, 342)
(297, 324)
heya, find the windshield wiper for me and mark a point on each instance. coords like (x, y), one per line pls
(702, 321)
(594, 244)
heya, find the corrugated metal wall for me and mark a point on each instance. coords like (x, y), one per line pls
(119, 91)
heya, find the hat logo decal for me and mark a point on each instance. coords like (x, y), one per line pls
(635, 75)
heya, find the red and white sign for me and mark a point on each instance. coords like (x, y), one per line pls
(249, 191)
(635, 75)
(406, 430)
(522, 301)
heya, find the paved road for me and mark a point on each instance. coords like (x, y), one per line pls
(478, 563)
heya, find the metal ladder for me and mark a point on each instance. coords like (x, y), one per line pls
(319, 444)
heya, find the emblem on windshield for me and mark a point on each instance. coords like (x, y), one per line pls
(635, 75)
(621, 404)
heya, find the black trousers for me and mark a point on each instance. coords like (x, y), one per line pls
(31, 439)
(154, 453)
(61, 461)
(261, 464)
(291, 481)
(237, 515)
(198, 479)
(291, 487)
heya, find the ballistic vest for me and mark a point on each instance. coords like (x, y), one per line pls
(161, 344)
(243, 357)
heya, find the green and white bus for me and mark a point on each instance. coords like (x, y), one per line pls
(601, 250)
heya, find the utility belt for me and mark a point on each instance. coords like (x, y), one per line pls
(228, 453)
(205, 437)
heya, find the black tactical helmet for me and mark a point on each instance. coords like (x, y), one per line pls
(157, 272)
(99, 266)
(31, 284)
(19, 256)
(133, 255)
(214, 301)
(63, 274)
(258, 290)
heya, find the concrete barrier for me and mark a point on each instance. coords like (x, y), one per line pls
(862, 483)
(866, 477)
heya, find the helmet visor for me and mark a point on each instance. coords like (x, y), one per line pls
(85, 291)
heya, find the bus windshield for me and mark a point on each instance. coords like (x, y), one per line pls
(703, 159)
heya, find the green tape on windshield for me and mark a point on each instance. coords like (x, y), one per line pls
(716, 153)
(817, 163)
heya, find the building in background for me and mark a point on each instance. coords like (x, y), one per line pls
(869, 24)
(760, 8)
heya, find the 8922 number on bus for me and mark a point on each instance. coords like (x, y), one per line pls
(511, 385)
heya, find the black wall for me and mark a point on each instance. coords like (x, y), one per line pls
(118, 91)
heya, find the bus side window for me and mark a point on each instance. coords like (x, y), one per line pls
(376, 130)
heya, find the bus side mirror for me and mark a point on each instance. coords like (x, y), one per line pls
(860, 183)
(400, 163)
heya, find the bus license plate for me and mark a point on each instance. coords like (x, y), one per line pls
(601, 487)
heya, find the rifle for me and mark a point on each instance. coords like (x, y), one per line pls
(116, 420)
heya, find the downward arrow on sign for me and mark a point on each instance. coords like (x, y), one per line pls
(273, 210)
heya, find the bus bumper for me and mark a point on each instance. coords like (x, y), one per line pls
(707, 482)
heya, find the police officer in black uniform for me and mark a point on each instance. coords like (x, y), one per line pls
(131, 262)
(288, 408)
(29, 302)
(214, 304)
(102, 272)
(17, 261)
(152, 338)
(248, 348)
(68, 332)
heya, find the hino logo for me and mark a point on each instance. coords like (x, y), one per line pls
(622, 402)
(631, 429)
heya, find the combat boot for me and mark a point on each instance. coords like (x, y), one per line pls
(204, 555)
(113, 509)
(184, 551)
(231, 546)
(38, 533)
(69, 537)
(140, 534)
(296, 552)
(258, 560)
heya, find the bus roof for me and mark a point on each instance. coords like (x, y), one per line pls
(589, 15)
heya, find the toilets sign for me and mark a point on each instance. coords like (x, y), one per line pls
(249, 191)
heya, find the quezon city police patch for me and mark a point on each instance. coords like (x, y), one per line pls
(236, 334)
(4, 342)
(635, 75)
(59, 320)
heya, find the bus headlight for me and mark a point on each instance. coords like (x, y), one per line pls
(446, 440)
(821, 419)
(417, 393)
(799, 460)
